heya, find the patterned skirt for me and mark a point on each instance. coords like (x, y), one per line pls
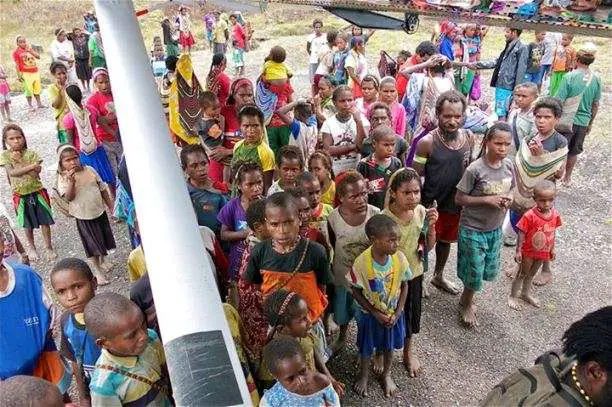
(33, 210)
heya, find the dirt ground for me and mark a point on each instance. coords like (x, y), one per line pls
(460, 365)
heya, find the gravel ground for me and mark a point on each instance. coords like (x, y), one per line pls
(460, 365)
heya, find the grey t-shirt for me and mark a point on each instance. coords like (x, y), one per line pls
(479, 179)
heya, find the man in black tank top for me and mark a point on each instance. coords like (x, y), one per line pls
(441, 157)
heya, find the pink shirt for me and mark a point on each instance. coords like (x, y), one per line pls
(398, 119)
(105, 107)
(70, 125)
(238, 36)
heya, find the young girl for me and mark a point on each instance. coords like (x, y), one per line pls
(369, 89)
(320, 164)
(5, 97)
(388, 96)
(484, 194)
(290, 164)
(184, 25)
(417, 236)
(356, 66)
(342, 132)
(536, 243)
(30, 198)
(296, 384)
(234, 228)
(287, 314)
(320, 211)
(87, 195)
(57, 97)
(340, 56)
(379, 285)
(323, 103)
(346, 231)
(471, 42)
(305, 214)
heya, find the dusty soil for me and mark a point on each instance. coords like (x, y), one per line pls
(460, 365)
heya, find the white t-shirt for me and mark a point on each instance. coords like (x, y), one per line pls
(62, 49)
(318, 46)
(342, 135)
(359, 63)
(326, 64)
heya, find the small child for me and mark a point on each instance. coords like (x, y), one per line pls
(287, 314)
(207, 196)
(5, 97)
(418, 236)
(346, 231)
(234, 228)
(296, 385)
(322, 102)
(132, 365)
(87, 196)
(320, 164)
(253, 147)
(210, 127)
(320, 211)
(471, 43)
(57, 97)
(326, 60)
(369, 87)
(240, 37)
(304, 132)
(563, 62)
(184, 25)
(536, 49)
(24, 390)
(379, 285)
(521, 117)
(290, 165)
(158, 62)
(305, 213)
(380, 165)
(30, 198)
(536, 243)
(275, 72)
(388, 96)
(75, 285)
(342, 51)
(166, 83)
(484, 194)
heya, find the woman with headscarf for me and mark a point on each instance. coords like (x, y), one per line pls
(62, 51)
(217, 81)
(241, 94)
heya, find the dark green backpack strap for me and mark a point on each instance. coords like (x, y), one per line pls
(568, 394)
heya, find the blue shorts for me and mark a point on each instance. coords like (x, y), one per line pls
(514, 220)
(536, 77)
(343, 305)
(478, 256)
(503, 97)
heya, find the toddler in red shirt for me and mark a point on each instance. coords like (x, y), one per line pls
(536, 242)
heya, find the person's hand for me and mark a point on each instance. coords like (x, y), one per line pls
(356, 113)
(24, 259)
(71, 174)
(518, 256)
(437, 60)
(392, 319)
(37, 169)
(316, 100)
(495, 201)
(536, 148)
(382, 318)
(553, 254)
(338, 386)
(432, 215)
(220, 153)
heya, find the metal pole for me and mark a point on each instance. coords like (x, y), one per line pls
(202, 361)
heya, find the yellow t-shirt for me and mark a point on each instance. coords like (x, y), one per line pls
(264, 152)
(329, 196)
(274, 70)
(219, 32)
(53, 91)
(136, 265)
(409, 240)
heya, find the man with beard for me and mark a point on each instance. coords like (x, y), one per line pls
(441, 157)
(580, 376)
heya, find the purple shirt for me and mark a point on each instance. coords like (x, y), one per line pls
(233, 217)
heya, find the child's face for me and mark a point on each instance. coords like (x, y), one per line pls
(340, 43)
(304, 211)
(103, 84)
(385, 146)
(325, 90)
(545, 120)
(15, 140)
(317, 28)
(524, 97)
(128, 336)
(251, 185)
(261, 230)
(294, 375)
(401, 60)
(213, 110)
(197, 167)
(408, 195)
(379, 117)
(566, 40)
(313, 189)
(388, 93)
(540, 35)
(73, 289)
(355, 199)
(251, 129)
(369, 91)
(69, 160)
(345, 102)
(283, 224)
(60, 76)
(22, 43)
(470, 31)
(300, 325)
(319, 170)
(388, 243)
(544, 200)
(289, 169)
(499, 145)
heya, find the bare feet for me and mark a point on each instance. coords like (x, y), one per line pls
(468, 315)
(51, 255)
(566, 183)
(425, 289)
(33, 254)
(443, 284)
(338, 346)
(543, 279)
(511, 272)
(106, 266)
(361, 386)
(389, 387)
(530, 299)
(378, 363)
(101, 278)
(513, 302)
(412, 364)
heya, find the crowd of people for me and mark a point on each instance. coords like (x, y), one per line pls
(316, 211)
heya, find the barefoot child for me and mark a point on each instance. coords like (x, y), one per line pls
(536, 243)
(379, 285)
(484, 194)
(320, 165)
(132, 366)
(75, 285)
(346, 231)
(89, 198)
(380, 165)
(287, 314)
(30, 198)
(296, 384)
(210, 128)
(320, 211)
(57, 97)
(290, 164)
(418, 236)
(234, 228)
(5, 97)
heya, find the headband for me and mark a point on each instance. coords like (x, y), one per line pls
(285, 303)
(238, 83)
(97, 72)
(391, 179)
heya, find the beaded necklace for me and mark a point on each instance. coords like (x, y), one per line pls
(579, 386)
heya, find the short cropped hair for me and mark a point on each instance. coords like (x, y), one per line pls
(190, 149)
(75, 264)
(380, 132)
(251, 111)
(256, 213)
(549, 102)
(450, 96)
(19, 391)
(281, 200)
(348, 178)
(104, 310)
(426, 48)
(207, 99)
(379, 225)
(279, 349)
(290, 153)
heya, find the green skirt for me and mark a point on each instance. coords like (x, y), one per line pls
(62, 136)
(172, 50)
(98, 62)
